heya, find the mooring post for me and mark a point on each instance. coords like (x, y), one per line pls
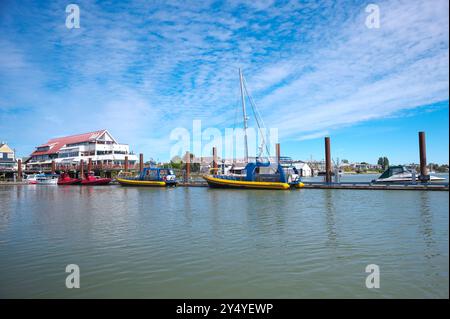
(81, 169)
(126, 163)
(214, 150)
(89, 165)
(19, 170)
(327, 160)
(278, 152)
(424, 177)
(53, 167)
(141, 162)
(188, 166)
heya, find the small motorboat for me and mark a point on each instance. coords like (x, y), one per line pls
(31, 179)
(65, 179)
(400, 174)
(91, 179)
(150, 176)
(47, 179)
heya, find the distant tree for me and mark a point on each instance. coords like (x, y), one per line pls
(345, 161)
(383, 162)
(176, 165)
(380, 161)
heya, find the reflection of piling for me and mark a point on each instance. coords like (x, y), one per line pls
(126, 164)
(141, 162)
(423, 158)
(278, 152)
(53, 167)
(188, 166)
(81, 169)
(327, 160)
(19, 170)
(215, 159)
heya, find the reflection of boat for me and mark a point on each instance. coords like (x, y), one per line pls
(65, 179)
(91, 179)
(46, 179)
(260, 174)
(396, 174)
(150, 176)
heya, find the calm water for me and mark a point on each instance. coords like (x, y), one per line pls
(206, 243)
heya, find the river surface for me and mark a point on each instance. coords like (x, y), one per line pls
(212, 243)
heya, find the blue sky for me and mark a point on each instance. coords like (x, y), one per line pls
(142, 68)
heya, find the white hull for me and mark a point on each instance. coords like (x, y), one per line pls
(47, 182)
(46, 179)
(406, 178)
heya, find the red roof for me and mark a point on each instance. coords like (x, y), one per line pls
(56, 144)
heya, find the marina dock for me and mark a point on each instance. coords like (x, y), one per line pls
(355, 185)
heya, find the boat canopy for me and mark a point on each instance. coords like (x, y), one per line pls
(393, 170)
(156, 173)
(264, 168)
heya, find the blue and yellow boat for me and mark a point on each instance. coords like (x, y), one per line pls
(150, 176)
(257, 175)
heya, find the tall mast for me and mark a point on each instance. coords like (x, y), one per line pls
(244, 113)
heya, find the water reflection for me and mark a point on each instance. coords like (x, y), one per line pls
(330, 212)
(426, 225)
(200, 242)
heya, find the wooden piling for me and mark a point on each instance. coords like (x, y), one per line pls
(327, 160)
(19, 170)
(278, 152)
(81, 169)
(89, 165)
(215, 165)
(53, 169)
(188, 166)
(126, 163)
(141, 162)
(424, 177)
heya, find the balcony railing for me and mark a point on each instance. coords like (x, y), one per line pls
(68, 167)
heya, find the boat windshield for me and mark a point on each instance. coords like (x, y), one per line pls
(392, 171)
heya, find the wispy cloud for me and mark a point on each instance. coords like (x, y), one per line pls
(143, 68)
(312, 136)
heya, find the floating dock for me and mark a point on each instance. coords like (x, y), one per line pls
(355, 185)
(379, 186)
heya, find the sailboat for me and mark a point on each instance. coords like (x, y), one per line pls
(260, 174)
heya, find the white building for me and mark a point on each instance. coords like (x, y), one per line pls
(303, 168)
(99, 146)
(7, 158)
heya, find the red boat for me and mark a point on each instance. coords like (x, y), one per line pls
(91, 179)
(65, 179)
